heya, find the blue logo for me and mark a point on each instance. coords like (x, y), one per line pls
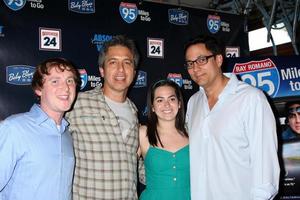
(145, 111)
(83, 77)
(141, 80)
(213, 23)
(15, 4)
(178, 17)
(177, 78)
(262, 74)
(19, 74)
(128, 12)
(1, 31)
(82, 6)
(99, 39)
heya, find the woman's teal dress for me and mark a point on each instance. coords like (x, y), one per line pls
(167, 174)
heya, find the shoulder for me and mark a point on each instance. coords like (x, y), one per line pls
(143, 132)
(144, 142)
(12, 126)
(89, 94)
(15, 119)
(196, 96)
(88, 101)
(249, 91)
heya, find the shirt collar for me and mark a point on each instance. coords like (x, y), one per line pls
(40, 116)
(98, 90)
(231, 86)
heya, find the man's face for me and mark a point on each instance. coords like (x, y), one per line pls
(204, 74)
(58, 92)
(118, 70)
(294, 118)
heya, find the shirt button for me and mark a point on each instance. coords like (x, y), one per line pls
(174, 155)
(174, 179)
(174, 167)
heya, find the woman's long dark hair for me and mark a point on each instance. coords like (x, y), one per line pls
(152, 122)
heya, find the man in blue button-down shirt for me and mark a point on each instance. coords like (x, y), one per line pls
(36, 152)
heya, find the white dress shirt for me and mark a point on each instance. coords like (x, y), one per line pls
(233, 147)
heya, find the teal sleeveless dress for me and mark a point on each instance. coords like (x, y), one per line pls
(167, 174)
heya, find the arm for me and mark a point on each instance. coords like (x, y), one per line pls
(143, 148)
(9, 153)
(143, 141)
(261, 128)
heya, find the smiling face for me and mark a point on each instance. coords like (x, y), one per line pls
(205, 74)
(294, 118)
(57, 93)
(118, 70)
(165, 103)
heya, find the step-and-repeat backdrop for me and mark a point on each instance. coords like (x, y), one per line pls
(34, 30)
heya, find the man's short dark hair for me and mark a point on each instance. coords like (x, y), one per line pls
(211, 44)
(122, 41)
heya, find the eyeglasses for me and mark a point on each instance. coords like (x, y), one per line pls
(201, 60)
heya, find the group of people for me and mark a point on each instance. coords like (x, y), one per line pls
(223, 147)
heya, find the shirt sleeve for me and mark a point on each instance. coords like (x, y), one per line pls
(9, 153)
(141, 170)
(261, 127)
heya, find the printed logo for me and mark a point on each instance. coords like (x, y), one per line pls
(290, 79)
(232, 52)
(128, 12)
(155, 47)
(187, 84)
(141, 80)
(213, 23)
(19, 74)
(15, 4)
(82, 6)
(262, 74)
(225, 26)
(145, 111)
(1, 31)
(83, 77)
(178, 17)
(50, 39)
(177, 78)
(144, 15)
(36, 4)
(95, 81)
(90, 81)
(99, 39)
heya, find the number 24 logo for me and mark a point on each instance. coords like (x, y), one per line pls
(50, 41)
(155, 49)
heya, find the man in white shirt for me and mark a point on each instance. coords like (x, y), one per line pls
(233, 140)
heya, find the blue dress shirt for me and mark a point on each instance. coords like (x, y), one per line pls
(36, 159)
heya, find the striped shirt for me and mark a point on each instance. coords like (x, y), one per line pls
(106, 163)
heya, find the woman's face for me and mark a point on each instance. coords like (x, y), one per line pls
(165, 103)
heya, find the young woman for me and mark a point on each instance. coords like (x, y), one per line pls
(164, 144)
